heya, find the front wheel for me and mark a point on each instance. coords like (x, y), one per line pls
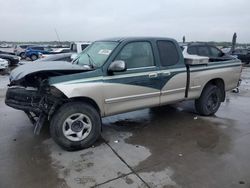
(22, 55)
(209, 101)
(76, 126)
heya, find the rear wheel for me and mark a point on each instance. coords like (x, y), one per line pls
(209, 101)
(75, 126)
(34, 57)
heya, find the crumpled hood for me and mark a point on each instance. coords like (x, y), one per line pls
(36, 67)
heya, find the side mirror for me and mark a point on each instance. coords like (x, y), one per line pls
(117, 66)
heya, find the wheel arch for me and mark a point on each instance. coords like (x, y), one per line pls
(219, 82)
(63, 99)
(86, 100)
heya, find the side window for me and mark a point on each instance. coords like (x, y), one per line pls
(65, 51)
(215, 52)
(83, 46)
(74, 48)
(168, 53)
(23, 46)
(37, 48)
(192, 50)
(64, 59)
(136, 55)
(203, 51)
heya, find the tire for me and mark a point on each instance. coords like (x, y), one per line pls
(209, 101)
(10, 64)
(7, 71)
(64, 126)
(22, 55)
(34, 57)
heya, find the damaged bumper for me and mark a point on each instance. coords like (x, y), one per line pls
(26, 100)
(38, 106)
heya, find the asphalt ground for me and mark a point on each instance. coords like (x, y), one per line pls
(166, 147)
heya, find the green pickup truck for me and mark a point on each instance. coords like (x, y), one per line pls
(113, 76)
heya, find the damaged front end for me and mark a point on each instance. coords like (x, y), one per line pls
(30, 91)
(38, 103)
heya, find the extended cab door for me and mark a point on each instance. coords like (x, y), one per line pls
(137, 87)
(173, 72)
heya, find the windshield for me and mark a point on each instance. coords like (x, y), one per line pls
(96, 54)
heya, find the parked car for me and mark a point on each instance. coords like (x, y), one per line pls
(114, 76)
(5, 45)
(56, 57)
(207, 50)
(20, 50)
(78, 47)
(62, 50)
(35, 52)
(3, 64)
(6, 52)
(242, 54)
(12, 59)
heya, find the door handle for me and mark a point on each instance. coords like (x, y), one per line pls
(167, 73)
(152, 75)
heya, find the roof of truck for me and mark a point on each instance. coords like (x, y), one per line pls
(121, 39)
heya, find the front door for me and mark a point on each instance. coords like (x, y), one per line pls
(137, 87)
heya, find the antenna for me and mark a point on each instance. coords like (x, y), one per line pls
(57, 35)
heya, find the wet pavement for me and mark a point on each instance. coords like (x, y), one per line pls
(162, 147)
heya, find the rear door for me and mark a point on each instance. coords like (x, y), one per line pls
(173, 72)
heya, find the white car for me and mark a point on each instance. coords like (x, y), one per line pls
(78, 47)
(3, 64)
(62, 50)
(56, 51)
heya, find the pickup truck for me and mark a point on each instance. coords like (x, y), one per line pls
(113, 76)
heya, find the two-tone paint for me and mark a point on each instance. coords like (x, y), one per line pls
(145, 86)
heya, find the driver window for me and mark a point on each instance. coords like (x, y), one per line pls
(137, 55)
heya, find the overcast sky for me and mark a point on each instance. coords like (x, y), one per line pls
(198, 20)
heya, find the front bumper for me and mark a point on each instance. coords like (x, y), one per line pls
(23, 99)
(3, 66)
(14, 61)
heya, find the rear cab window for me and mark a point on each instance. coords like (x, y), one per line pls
(168, 52)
